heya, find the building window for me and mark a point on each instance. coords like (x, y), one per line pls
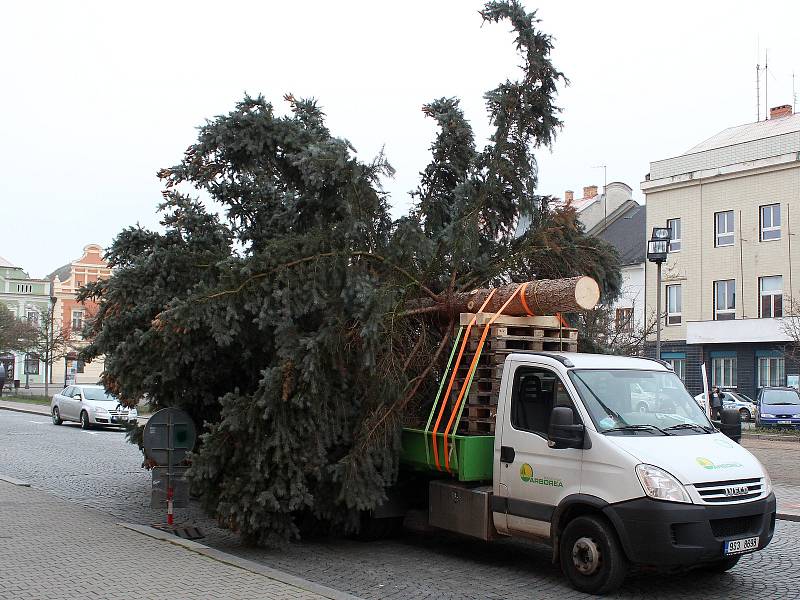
(723, 228)
(725, 300)
(674, 234)
(623, 320)
(674, 305)
(679, 366)
(77, 321)
(770, 291)
(770, 222)
(32, 317)
(31, 364)
(771, 371)
(80, 366)
(23, 288)
(723, 372)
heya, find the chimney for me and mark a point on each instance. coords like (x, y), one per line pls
(569, 196)
(590, 191)
(780, 111)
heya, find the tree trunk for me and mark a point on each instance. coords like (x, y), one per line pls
(541, 297)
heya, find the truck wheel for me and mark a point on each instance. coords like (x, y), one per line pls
(720, 566)
(56, 416)
(591, 556)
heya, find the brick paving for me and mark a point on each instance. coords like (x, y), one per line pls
(51, 548)
(101, 470)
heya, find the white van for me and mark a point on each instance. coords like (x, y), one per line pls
(579, 465)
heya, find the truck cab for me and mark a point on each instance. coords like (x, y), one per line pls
(579, 464)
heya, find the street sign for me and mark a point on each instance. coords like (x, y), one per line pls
(168, 437)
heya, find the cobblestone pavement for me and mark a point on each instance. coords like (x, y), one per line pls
(99, 469)
(51, 548)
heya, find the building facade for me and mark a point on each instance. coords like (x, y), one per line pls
(619, 220)
(72, 315)
(27, 299)
(733, 206)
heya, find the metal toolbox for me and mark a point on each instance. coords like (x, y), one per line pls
(461, 508)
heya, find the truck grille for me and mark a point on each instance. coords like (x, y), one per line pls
(739, 490)
(118, 413)
(724, 528)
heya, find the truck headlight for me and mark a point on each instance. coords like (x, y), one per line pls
(767, 415)
(100, 411)
(660, 485)
(767, 481)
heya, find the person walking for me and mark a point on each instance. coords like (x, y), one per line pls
(2, 378)
(716, 404)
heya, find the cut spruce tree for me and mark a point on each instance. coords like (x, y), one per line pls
(287, 326)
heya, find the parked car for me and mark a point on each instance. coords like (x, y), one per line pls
(744, 404)
(90, 405)
(778, 407)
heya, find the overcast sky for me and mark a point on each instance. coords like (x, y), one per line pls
(97, 96)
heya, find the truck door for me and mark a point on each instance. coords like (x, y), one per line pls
(533, 476)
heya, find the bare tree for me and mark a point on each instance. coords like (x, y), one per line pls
(15, 334)
(790, 325)
(51, 343)
(601, 331)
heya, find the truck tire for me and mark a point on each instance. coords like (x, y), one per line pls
(720, 566)
(591, 556)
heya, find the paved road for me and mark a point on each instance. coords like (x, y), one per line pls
(54, 549)
(101, 470)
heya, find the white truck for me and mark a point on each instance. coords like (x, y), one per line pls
(574, 461)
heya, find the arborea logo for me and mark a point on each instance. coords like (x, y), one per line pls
(526, 475)
(708, 464)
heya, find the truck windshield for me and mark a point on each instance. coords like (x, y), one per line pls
(634, 402)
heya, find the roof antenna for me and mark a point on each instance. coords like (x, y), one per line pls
(766, 84)
(758, 82)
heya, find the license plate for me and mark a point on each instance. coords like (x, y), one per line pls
(741, 546)
(784, 422)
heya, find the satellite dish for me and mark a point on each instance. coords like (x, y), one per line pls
(168, 437)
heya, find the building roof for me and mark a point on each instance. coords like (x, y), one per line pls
(628, 235)
(62, 273)
(6, 263)
(748, 133)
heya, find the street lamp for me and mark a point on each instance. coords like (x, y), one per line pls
(657, 249)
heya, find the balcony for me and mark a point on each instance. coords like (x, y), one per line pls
(738, 330)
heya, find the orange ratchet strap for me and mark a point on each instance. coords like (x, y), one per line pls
(471, 370)
(446, 396)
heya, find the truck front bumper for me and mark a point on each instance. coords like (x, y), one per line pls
(672, 534)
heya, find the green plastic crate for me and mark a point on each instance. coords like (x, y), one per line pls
(472, 458)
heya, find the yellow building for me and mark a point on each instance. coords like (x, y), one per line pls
(733, 206)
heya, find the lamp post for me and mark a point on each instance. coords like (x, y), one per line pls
(657, 249)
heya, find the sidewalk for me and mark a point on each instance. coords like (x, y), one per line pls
(52, 549)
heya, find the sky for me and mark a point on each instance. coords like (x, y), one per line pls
(98, 96)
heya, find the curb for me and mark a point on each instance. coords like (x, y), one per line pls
(241, 563)
(771, 438)
(14, 481)
(787, 517)
(25, 409)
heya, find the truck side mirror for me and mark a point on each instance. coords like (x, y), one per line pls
(563, 431)
(731, 424)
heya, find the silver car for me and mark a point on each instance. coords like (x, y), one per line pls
(89, 405)
(742, 403)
